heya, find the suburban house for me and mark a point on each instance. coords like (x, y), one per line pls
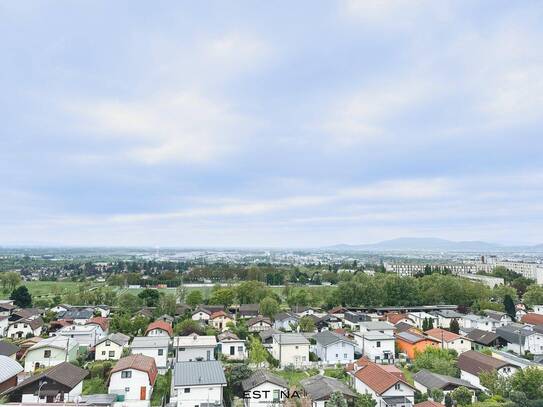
(201, 314)
(133, 377)
(248, 310)
(329, 323)
(6, 308)
(194, 348)
(377, 327)
(198, 384)
(521, 362)
(58, 384)
(334, 348)
(319, 389)
(386, 388)
(258, 324)
(411, 343)
(449, 340)
(472, 364)
(376, 346)
(420, 317)
(231, 346)
(111, 347)
(478, 322)
(396, 317)
(303, 311)
(290, 349)
(267, 337)
(521, 339)
(338, 311)
(426, 381)
(445, 317)
(85, 335)
(220, 319)
(25, 327)
(159, 328)
(103, 310)
(100, 322)
(538, 309)
(8, 349)
(9, 369)
(49, 352)
(78, 315)
(286, 321)
(353, 319)
(263, 387)
(153, 346)
(482, 339)
(501, 318)
(532, 318)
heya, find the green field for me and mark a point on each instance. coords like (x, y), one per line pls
(47, 288)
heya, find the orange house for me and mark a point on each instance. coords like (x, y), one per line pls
(408, 342)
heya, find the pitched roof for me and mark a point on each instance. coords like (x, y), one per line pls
(412, 337)
(321, 387)
(57, 342)
(198, 373)
(33, 321)
(102, 322)
(227, 335)
(377, 378)
(268, 333)
(439, 334)
(262, 376)
(482, 337)
(8, 368)
(514, 333)
(495, 315)
(326, 338)
(402, 326)
(432, 380)
(429, 403)
(137, 362)
(258, 319)
(194, 340)
(150, 342)
(64, 373)
(286, 315)
(394, 317)
(160, 325)
(118, 338)
(220, 313)
(532, 318)
(8, 349)
(290, 339)
(377, 325)
(338, 310)
(475, 362)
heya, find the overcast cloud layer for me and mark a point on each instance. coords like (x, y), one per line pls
(270, 123)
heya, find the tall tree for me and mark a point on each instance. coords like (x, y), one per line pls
(194, 298)
(307, 324)
(509, 306)
(336, 400)
(269, 307)
(257, 353)
(454, 326)
(21, 297)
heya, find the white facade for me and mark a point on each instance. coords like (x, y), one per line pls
(338, 352)
(85, 335)
(50, 352)
(538, 309)
(268, 393)
(233, 349)
(71, 396)
(156, 347)
(108, 350)
(200, 316)
(193, 347)
(400, 389)
(4, 322)
(296, 354)
(379, 348)
(21, 329)
(131, 383)
(419, 317)
(158, 332)
(475, 381)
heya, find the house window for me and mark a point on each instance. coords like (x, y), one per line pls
(108, 343)
(127, 389)
(103, 352)
(186, 390)
(296, 347)
(126, 374)
(337, 355)
(160, 352)
(276, 395)
(181, 349)
(378, 344)
(111, 353)
(344, 356)
(397, 386)
(240, 349)
(46, 353)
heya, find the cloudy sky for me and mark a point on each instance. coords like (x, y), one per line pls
(243, 123)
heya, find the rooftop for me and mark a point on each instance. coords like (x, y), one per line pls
(198, 373)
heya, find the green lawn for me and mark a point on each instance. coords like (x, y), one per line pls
(408, 375)
(46, 288)
(293, 377)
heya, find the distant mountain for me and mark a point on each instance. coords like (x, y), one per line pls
(434, 245)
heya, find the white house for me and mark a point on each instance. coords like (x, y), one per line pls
(376, 346)
(521, 339)
(59, 384)
(85, 335)
(320, 388)
(473, 363)
(25, 327)
(50, 352)
(450, 340)
(538, 309)
(425, 381)
(263, 387)
(201, 315)
(231, 346)
(286, 321)
(290, 349)
(194, 348)
(198, 383)
(159, 328)
(111, 347)
(334, 348)
(152, 346)
(472, 321)
(419, 317)
(259, 324)
(133, 377)
(387, 389)
(500, 317)
(445, 317)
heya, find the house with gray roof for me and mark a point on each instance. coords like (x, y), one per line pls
(8, 349)
(319, 388)
(446, 316)
(521, 339)
(426, 380)
(154, 346)
(9, 369)
(286, 321)
(198, 383)
(377, 326)
(290, 349)
(263, 387)
(334, 348)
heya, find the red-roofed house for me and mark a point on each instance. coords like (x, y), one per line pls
(450, 340)
(395, 318)
(101, 322)
(386, 388)
(159, 328)
(133, 377)
(429, 403)
(532, 318)
(219, 319)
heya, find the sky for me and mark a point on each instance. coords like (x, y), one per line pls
(270, 124)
